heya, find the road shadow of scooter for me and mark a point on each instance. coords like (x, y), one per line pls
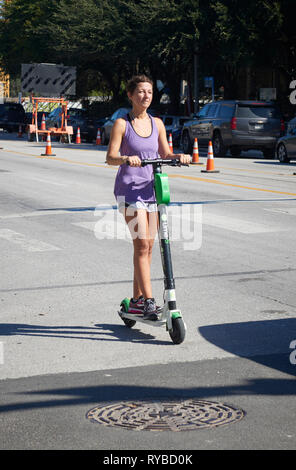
(266, 342)
(132, 335)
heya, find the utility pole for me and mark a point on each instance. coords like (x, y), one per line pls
(195, 88)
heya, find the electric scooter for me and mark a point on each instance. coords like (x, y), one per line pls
(168, 315)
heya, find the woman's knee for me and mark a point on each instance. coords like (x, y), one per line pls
(142, 247)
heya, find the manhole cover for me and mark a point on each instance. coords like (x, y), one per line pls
(165, 416)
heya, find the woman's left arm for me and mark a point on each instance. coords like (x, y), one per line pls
(163, 146)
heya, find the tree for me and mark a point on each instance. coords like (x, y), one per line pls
(20, 42)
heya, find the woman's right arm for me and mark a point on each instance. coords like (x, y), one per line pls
(117, 133)
(113, 157)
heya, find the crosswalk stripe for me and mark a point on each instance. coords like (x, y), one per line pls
(29, 244)
(111, 226)
(236, 225)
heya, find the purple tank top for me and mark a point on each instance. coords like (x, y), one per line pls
(136, 183)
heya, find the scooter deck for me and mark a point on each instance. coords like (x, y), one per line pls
(139, 318)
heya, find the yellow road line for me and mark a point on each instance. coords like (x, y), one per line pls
(193, 178)
(60, 159)
(205, 180)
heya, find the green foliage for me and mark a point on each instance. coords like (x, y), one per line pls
(109, 40)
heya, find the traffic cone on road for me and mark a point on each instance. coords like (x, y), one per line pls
(78, 140)
(20, 132)
(195, 154)
(171, 143)
(98, 139)
(43, 123)
(210, 161)
(48, 147)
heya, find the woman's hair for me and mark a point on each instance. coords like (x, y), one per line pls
(133, 82)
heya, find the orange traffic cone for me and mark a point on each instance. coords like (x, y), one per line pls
(210, 161)
(48, 147)
(43, 128)
(78, 140)
(195, 154)
(98, 140)
(20, 132)
(171, 143)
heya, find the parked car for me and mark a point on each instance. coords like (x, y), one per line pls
(77, 117)
(286, 145)
(89, 130)
(12, 115)
(235, 125)
(173, 125)
(106, 129)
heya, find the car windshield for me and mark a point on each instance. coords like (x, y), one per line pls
(257, 111)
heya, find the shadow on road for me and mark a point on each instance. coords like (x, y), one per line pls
(98, 332)
(76, 392)
(265, 343)
(256, 339)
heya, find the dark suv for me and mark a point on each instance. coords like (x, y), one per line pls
(12, 115)
(235, 125)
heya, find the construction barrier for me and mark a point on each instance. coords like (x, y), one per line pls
(210, 161)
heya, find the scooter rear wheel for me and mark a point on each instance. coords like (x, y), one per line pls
(178, 331)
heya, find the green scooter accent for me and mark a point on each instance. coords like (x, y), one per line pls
(125, 304)
(162, 189)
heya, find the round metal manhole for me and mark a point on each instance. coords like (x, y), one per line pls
(184, 415)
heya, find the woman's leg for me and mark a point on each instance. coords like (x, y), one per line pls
(143, 228)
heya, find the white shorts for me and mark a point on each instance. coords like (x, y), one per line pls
(147, 206)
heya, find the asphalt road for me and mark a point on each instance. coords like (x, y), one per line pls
(66, 263)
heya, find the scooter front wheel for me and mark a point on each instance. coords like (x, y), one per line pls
(129, 323)
(124, 308)
(178, 331)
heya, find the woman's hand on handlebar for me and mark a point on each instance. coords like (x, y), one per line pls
(183, 158)
(133, 160)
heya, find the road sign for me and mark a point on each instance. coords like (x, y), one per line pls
(48, 79)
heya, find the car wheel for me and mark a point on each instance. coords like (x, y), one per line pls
(186, 143)
(218, 147)
(282, 154)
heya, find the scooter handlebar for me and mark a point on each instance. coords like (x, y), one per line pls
(161, 161)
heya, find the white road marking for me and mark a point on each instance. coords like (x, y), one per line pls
(111, 225)
(34, 214)
(283, 210)
(109, 228)
(236, 225)
(29, 244)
